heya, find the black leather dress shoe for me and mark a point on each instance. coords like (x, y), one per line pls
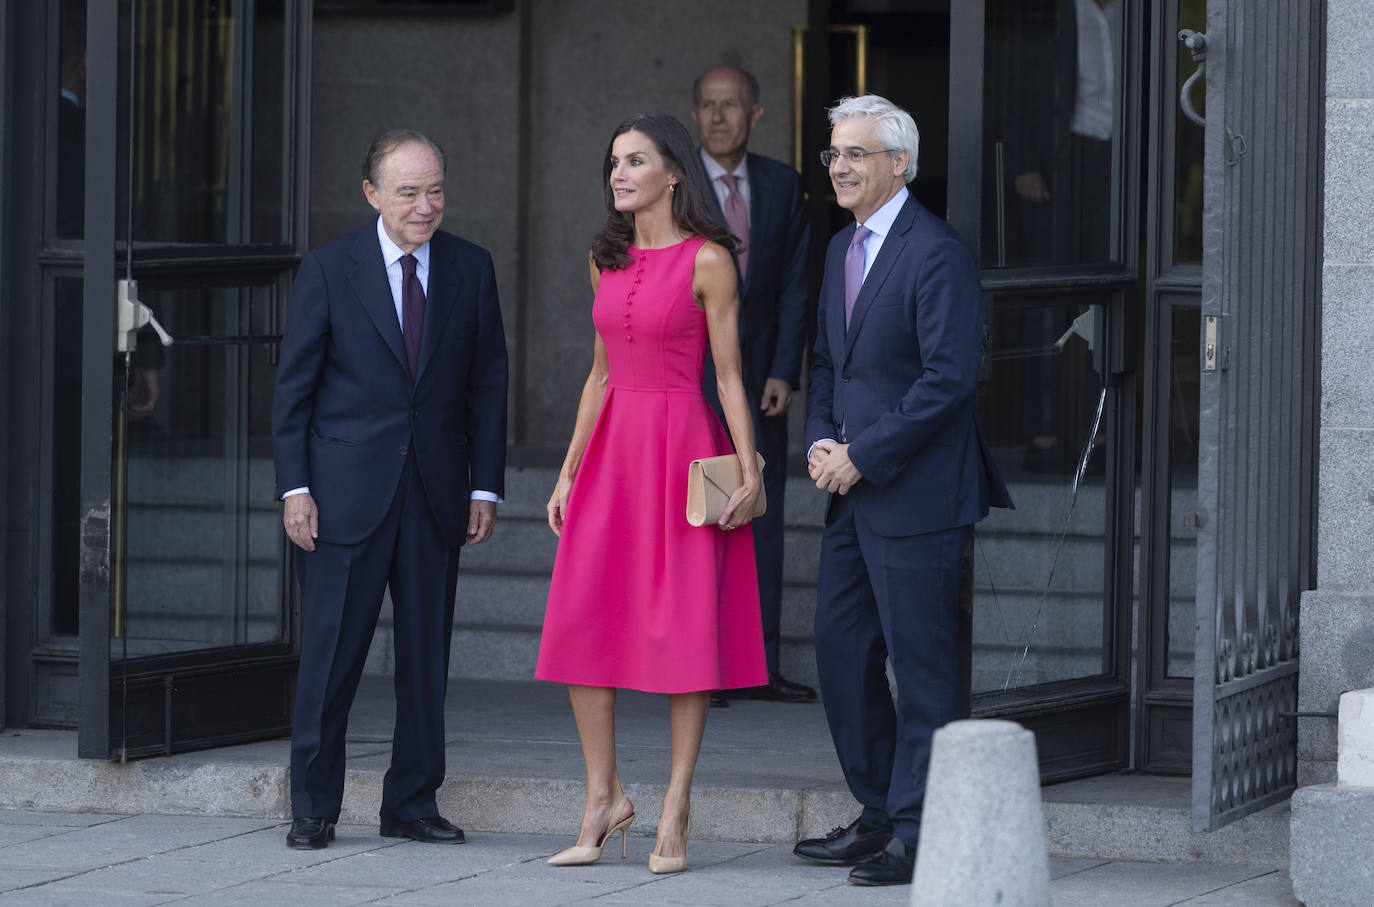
(429, 830)
(778, 689)
(719, 700)
(844, 846)
(309, 833)
(893, 865)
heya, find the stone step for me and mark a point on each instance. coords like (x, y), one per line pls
(767, 773)
(176, 518)
(1001, 559)
(1040, 506)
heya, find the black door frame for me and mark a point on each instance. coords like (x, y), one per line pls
(1163, 703)
(6, 283)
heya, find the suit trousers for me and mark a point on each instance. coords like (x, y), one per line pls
(342, 587)
(771, 437)
(882, 597)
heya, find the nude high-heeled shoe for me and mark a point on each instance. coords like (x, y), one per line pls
(663, 865)
(584, 854)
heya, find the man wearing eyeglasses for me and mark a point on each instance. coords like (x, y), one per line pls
(760, 200)
(895, 441)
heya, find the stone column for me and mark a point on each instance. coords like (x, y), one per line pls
(1337, 618)
(1333, 823)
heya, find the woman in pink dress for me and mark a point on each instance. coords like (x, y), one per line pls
(640, 599)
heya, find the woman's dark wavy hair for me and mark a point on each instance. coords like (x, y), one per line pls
(692, 209)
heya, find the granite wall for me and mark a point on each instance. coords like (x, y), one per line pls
(1337, 622)
(590, 64)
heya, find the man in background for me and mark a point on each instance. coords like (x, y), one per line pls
(760, 201)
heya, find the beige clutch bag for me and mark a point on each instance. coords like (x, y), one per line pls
(710, 482)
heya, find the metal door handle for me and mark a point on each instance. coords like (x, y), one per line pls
(133, 315)
(1197, 44)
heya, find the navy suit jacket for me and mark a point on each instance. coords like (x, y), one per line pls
(903, 378)
(346, 414)
(772, 312)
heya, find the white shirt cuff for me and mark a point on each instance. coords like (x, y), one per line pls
(476, 495)
(814, 443)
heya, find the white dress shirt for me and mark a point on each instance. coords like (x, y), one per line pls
(1092, 112)
(392, 255)
(880, 223)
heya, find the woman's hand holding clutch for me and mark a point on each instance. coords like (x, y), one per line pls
(740, 509)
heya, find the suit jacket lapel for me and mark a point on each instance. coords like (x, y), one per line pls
(445, 281)
(368, 279)
(893, 246)
(757, 193)
(834, 324)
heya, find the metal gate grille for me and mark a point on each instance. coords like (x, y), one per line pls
(1258, 395)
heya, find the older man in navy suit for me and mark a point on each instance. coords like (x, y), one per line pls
(895, 440)
(389, 435)
(760, 199)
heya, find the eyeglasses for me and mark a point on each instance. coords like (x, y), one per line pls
(854, 155)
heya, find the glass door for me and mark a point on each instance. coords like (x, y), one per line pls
(1041, 162)
(193, 158)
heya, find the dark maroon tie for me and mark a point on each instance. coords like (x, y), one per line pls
(412, 311)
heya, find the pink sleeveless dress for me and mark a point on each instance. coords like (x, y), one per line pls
(640, 599)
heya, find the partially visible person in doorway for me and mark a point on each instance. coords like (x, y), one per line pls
(760, 201)
(1059, 87)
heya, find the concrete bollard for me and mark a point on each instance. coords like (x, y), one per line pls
(1355, 740)
(982, 826)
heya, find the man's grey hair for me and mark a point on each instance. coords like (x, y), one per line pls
(896, 128)
(388, 142)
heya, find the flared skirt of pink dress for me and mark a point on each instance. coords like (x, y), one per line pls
(640, 599)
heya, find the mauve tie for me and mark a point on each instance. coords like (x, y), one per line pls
(853, 280)
(412, 311)
(854, 270)
(737, 219)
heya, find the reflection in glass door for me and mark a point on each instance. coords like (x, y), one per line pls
(1041, 568)
(205, 561)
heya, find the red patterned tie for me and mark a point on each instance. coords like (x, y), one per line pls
(412, 311)
(737, 219)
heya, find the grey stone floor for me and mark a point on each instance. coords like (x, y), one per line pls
(85, 859)
(767, 774)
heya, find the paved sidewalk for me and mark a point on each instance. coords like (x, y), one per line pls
(83, 859)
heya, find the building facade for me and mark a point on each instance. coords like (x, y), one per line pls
(1178, 421)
